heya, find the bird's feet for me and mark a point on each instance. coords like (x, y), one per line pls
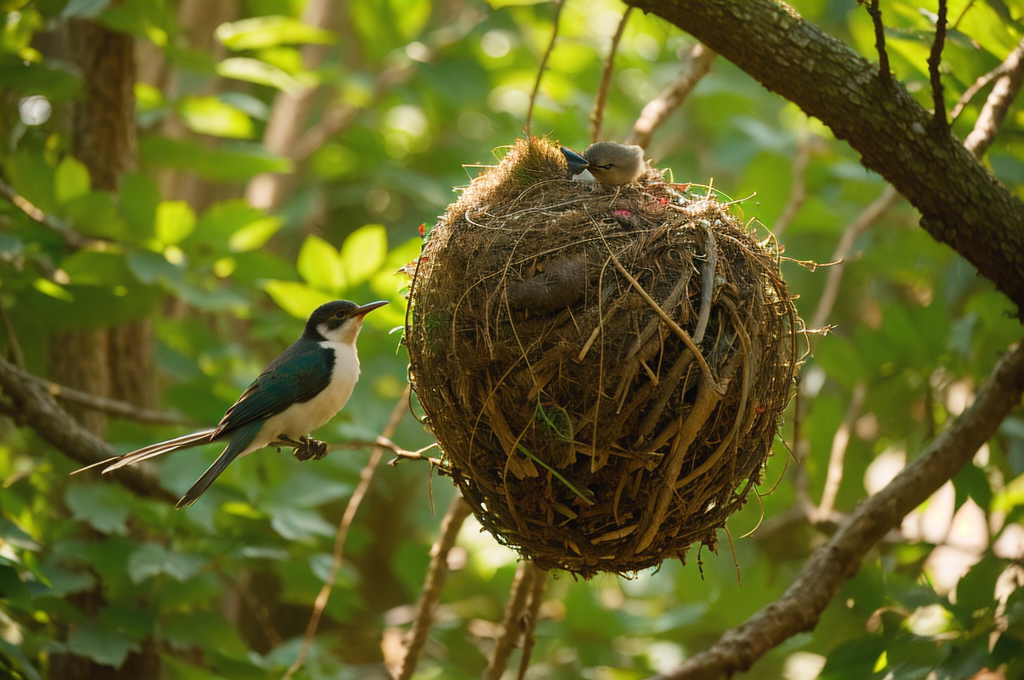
(308, 448)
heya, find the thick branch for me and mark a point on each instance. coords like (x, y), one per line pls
(831, 565)
(960, 202)
(36, 408)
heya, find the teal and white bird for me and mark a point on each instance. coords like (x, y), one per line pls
(303, 388)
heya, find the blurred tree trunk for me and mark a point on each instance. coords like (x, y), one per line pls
(115, 361)
(289, 114)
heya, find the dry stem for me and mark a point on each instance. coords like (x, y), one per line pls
(365, 477)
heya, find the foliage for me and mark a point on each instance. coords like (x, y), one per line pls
(225, 588)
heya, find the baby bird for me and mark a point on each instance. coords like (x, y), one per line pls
(612, 164)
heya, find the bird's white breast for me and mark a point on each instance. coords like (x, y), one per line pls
(300, 419)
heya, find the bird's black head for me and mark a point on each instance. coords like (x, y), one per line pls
(338, 321)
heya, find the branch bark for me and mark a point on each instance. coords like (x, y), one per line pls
(831, 565)
(35, 407)
(961, 204)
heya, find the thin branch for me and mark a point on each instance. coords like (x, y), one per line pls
(114, 407)
(798, 194)
(940, 123)
(853, 231)
(597, 114)
(543, 64)
(534, 599)
(993, 113)
(837, 457)
(884, 76)
(72, 239)
(975, 88)
(800, 607)
(13, 346)
(668, 100)
(522, 584)
(365, 478)
(34, 406)
(430, 595)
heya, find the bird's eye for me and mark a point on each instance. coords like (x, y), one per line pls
(339, 315)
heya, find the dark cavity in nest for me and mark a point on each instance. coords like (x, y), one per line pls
(605, 369)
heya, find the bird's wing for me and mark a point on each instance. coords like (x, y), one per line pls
(300, 373)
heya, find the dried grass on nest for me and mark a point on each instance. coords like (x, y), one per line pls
(580, 424)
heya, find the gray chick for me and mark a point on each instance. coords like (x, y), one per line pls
(611, 163)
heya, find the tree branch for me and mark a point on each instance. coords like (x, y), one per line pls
(522, 585)
(661, 107)
(430, 595)
(993, 113)
(831, 565)
(365, 478)
(597, 114)
(34, 406)
(939, 122)
(961, 204)
(884, 75)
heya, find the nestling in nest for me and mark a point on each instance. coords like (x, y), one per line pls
(604, 369)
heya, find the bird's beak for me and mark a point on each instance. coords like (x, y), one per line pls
(577, 163)
(367, 308)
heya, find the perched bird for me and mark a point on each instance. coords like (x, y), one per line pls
(303, 388)
(611, 163)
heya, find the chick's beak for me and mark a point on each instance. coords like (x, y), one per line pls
(360, 312)
(577, 163)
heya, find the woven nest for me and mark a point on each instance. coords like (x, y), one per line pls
(604, 369)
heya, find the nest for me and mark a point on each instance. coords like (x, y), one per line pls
(605, 369)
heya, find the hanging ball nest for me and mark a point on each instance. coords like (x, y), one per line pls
(604, 368)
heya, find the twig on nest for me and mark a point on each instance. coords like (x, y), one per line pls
(800, 607)
(433, 585)
(522, 584)
(597, 115)
(543, 64)
(365, 477)
(707, 284)
(676, 328)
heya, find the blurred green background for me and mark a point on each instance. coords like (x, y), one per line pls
(213, 267)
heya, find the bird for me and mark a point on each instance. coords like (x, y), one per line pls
(612, 164)
(299, 391)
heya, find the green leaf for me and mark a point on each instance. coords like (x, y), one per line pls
(23, 667)
(152, 560)
(175, 220)
(269, 31)
(236, 162)
(296, 298)
(95, 214)
(71, 179)
(260, 73)
(296, 524)
(102, 643)
(12, 588)
(84, 8)
(363, 253)
(975, 592)
(854, 659)
(211, 116)
(138, 202)
(51, 289)
(320, 265)
(255, 234)
(104, 507)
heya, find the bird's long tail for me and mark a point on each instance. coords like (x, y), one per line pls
(153, 450)
(240, 440)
